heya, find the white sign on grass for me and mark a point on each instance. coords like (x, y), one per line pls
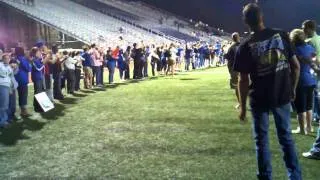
(44, 101)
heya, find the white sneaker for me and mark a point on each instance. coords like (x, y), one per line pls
(298, 131)
(310, 155)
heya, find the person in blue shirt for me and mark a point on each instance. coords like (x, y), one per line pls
(196, 56)
(201, 56)
(37, 75)
(121, 65)
(307, 82)
(87, 68)
(112, 63)
(310, 27)
(22, 77)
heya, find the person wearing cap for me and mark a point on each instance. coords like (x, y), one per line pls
(6, 83)
(22, 77)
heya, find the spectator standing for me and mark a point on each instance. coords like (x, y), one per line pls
(22, 77)
(307, 82)
(70, 71)
(57, 69)
(121, 65)
(171, 54)
(309, 28)
(78, 67)
(230, 57)
(6, 75)
(112, 63)
(127, 58)
(268, 58)
(96, 65)
(87, 69)
(13, 89)
(188, 56)
(37, 75)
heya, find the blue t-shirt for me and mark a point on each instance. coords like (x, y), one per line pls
(37, 70)
(306, 78)
(121, 63)
(25, 67)
(179, 51)
(87, 60)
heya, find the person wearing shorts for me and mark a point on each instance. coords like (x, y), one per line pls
(307, 82)
(171, 59)
(230, 57)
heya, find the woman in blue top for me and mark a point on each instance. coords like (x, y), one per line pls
(22, 78)
(37, 75)
(307, 82)
(121, 65)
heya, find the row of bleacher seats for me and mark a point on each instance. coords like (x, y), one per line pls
(150, 17)
(83, 23)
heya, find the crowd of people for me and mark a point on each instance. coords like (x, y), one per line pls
(53, 69)
(281, 72)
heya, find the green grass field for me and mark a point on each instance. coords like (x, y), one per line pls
(184, 127)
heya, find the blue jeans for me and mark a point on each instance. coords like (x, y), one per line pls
(23, 95)
(261, 132)
(145, 69)
(12, 105)
(121, 73)
(187, 64)
(97, 73)
(4, 104)
(316, 146)
(316, 107)
(111, 67)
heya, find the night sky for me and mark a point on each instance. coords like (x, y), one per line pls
(226, 14)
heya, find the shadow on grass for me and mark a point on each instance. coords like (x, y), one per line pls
(11, 135)
(88, 91)
(99, 89)
(68, 100)
(189, 79)
(80, 95)
(54, 114)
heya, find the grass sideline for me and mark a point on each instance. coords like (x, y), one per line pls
(183, 127)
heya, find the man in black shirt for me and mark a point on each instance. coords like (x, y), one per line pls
(274, 72)
(230, 57)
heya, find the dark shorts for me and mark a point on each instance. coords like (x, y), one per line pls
(234, 76)
(304, 99)
(171, 62)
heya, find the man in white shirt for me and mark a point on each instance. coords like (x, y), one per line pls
(70, 72)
